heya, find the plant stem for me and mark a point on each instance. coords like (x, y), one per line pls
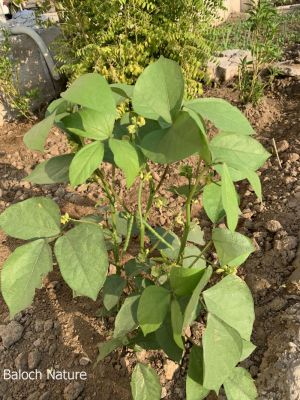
(141, 218)
(188, 207)
(111, 200)
(201, 255)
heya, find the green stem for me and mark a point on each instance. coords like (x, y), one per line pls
(157, 235)
(201, 255)
(111, 200)
(128, 236)
(141, 219)
(188, 207)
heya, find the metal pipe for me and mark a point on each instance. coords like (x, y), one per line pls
(24, 30)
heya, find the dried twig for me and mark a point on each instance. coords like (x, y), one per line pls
(276, 151)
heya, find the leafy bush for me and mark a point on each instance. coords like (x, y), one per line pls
(119, 38)
(168, 284)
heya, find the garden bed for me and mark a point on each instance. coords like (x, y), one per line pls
(62, 333)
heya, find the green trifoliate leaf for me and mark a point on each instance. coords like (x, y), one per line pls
(85, 162)
(231, 301)
(229, 199)
(55, 170)
(91, 91)
(105, 348)
(30, 219)
(127, 159)
(90, 124)
(190, 313)
(184, 280)
(126, 320)
(23, 272)
(240, 386)
(196, 235)
(238, 151)
(194, 381)
(112, 291)
(145, 383)
(175, 143)
(233, 248)
(158, 92)
(212, 202)
(35, 138)
(222, 114)
(248, 348)
(153, 307)
(83, 259)
(222, 349)
(177, 322)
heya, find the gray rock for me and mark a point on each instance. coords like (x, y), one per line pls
(282, 146)
(287, 243)
(21, 361)
(73, 390)
(11, 333)
(34, 358)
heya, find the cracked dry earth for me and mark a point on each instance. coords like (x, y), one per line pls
(60, 332)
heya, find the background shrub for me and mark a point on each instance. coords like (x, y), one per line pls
(118, 38)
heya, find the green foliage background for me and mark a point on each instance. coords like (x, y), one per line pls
(119, 38)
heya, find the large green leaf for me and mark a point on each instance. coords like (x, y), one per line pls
(158, 92)
(231, 301)
(240, 386)
(33, 218)
(85, 162)
(145, 383)
(59, 106)
(112, 291)
(222, 114)
(180, 140)
(92, 91)
(35, 138)
(90, 124)
(222, 349)
(83, 259)
(212, 202)
(190, 313)
(23, 272)
(127, 159)
(194, 381)
(233, 248)
(238, 151)
(126, 320)
(184, 280)
(229, 199)
(153, 307)
(55, 170)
